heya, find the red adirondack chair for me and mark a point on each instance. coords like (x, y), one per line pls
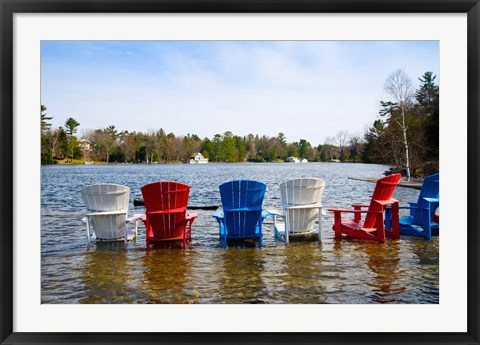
(166, 217)
(373, 227)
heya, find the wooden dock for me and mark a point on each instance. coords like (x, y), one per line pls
(407, 184)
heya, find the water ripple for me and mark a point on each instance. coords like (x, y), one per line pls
(347, 271)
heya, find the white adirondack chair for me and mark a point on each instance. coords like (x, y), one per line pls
(107, 212)
(302, 206)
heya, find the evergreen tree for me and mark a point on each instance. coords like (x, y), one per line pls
(228, 147)
(427, 94)
(46, 155)
(370, 152)
(71, 128)
(427, 97)
(45, 126)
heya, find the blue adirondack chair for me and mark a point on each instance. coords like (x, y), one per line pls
(242, 214)
(419, 222)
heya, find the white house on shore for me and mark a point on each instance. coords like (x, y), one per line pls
(198, 159)
(293, 160)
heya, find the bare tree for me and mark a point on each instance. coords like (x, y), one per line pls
(327, 148)
(341, 139)
(399, 86)
(150, 145)
(53, 139)
(102, 142)
(355, 141)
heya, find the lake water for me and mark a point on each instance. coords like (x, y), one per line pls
(331, 271)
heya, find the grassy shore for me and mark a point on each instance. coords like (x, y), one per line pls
(77, 161)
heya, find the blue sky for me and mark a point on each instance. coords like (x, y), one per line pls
(305, 89)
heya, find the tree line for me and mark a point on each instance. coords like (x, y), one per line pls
(110, 145)
(406, 135)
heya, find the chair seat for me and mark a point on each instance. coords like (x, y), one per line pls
(407, 228)
(408, 221)
(405, 220)
(304, 231)
(356, 225)
(130, 237)
(240, 236)
(161, 239)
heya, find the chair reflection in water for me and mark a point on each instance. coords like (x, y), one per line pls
(242, 215)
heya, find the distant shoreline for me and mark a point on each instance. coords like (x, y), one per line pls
(81, 162)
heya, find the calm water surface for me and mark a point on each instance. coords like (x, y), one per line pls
(345, 271)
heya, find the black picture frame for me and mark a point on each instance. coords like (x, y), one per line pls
(10, 7)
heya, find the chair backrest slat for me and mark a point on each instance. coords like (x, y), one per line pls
(242, 194)
(107, 197)
(383, 191)
(301, 192)
(165, 196)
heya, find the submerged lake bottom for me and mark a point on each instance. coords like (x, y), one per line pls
(304, 271)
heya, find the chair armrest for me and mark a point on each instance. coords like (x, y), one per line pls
(275, 213)
(360, 205)
(432, 200)
(385, 202)
(412, 208)
(299, 207)
(107, 213)
(341, 210)
(218, 215)
(136, 217)
(191, 216)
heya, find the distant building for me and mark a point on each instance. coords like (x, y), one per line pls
(198, 159)
(85, 145)
(293, 160)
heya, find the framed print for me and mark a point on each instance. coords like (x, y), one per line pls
(159, 199)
